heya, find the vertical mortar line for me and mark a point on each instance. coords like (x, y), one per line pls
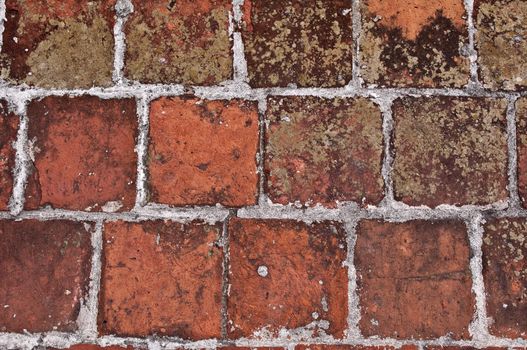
(87, 320)
(22, 157)
(353, 332)
(238, 50)
(514, 198)
(2, 22)
(385, 105)
(225, 280)
(143, 110)
(479, 325)
(262, 109)
(357, 32)
(122, 9)
(472, 52)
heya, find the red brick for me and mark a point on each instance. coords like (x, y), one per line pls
(521, 138)
(57, 43)
(414, 279)
(203, 152)
(302, 42)
(161, 278)
(286, 274)
(45, 268)
(500, 41)
(8, 133)
(450, 150)
(183, 41)
(505, 276)
(83, 153)
(414, 43)
(323, 151)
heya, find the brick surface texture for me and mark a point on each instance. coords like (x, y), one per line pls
(263, 174)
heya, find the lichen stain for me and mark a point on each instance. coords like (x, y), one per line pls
(189, 45)
(450, 151)
(501, 42)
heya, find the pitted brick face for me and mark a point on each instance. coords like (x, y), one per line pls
(305, 284)
(414, 43)
(301, 42)
(45, 267)
(501, 43)
(57, 43)
(505, 275)
(8, 134)
(183, 41)
(450, 150)
(82, 149)
(414, 279)
(161, 277)
(322, 151)
(203, 152)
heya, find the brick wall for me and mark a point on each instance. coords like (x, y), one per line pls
(300, 174)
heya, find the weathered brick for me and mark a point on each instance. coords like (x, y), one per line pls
(450, 150)
(323, 150)
(185, 42)
(521, 138)
(8, 132)
(414, 279)
(83, 153)
(161, 278)
(302, 42)
(414, 43)
(45, 267)
(505, 276)
(203, 152)
(57, 43)
(500, 40)
(286, 274)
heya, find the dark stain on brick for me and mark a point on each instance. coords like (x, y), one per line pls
(8, 133)
(307, 43)
(45, 267)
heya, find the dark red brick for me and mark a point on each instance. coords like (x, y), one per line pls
(203, 152)
(83, 153)
(521, 139)
(302, 42)
(501, 29)
(505, 276)
(450, 150)
(8, 133)
(323, 151)
(161, 278)
(183, 41)
(414, 279)
(58, 43)
(286, 274)
(414, 43)
(45, 267)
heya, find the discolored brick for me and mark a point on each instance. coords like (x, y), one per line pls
(8, 132)
(505, 276)
(414, 279)
(302, 42)
(414, 43)
(184, 41)
(83, 156)
(501, 29)
(521, 139)
(322, 151)
(450, 150)
(286, 274)
(47, 43)
(203, 152)
(45, 267)
(161, 277)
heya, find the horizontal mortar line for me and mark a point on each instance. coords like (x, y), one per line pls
(275, 211)
(241, 90)
(69, 339)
